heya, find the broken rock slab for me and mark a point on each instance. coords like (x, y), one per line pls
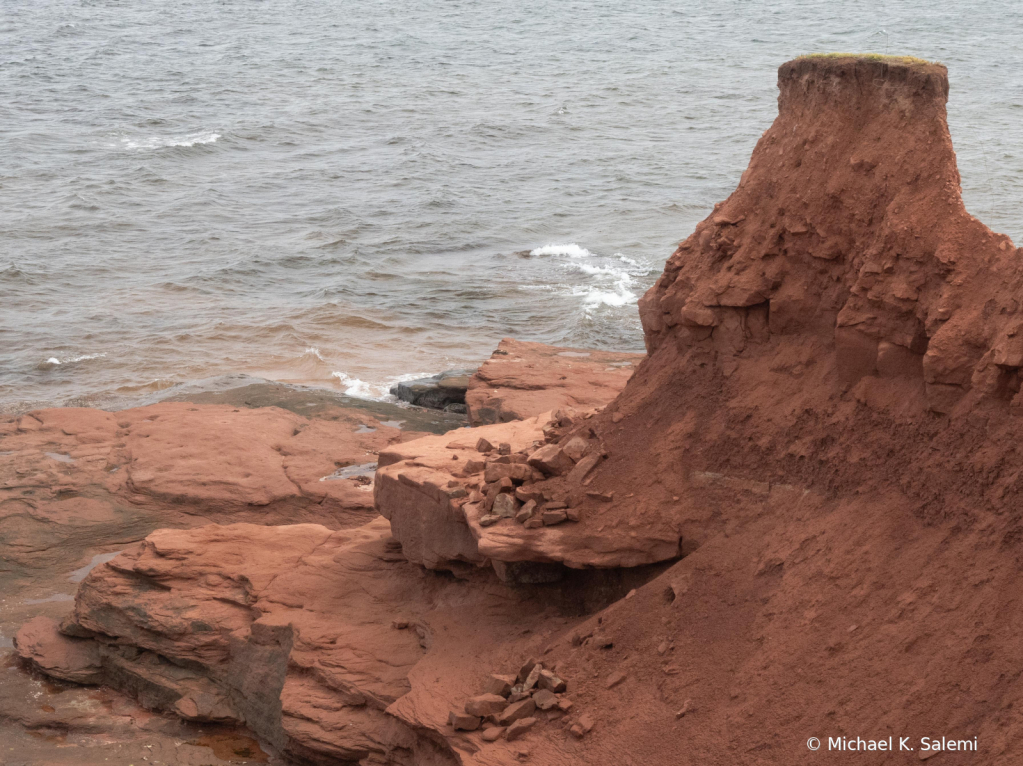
(522, 380)
(431, 491)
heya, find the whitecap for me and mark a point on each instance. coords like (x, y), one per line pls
(571, 250)
(594, 297)
(162, 142)
(597, 271)
(355, 387)
(315, 352)
(380, 392)
(54, 361)
(632, 262)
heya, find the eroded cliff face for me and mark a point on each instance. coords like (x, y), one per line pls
(829, 413)
(848, 228)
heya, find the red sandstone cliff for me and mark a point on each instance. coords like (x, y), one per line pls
(827, 420)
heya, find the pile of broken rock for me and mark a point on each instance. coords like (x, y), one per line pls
(507, 489)
(509, 703)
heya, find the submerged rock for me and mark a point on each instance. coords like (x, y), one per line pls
(445, 391)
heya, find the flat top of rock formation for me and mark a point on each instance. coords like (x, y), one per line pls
(523, 379)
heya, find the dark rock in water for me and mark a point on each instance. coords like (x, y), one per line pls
(445, 391)
(457, 407)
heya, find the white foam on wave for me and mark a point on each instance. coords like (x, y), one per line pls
(355, 387)
(611, 278)
(379, 392)
(315, 352)
(595, 271)
(631, 261)
(54, 361)
(163, 142)
(571, 250)
(594, 296)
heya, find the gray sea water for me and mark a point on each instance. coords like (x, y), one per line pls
(350, 191)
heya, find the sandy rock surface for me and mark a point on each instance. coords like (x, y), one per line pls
(522, 380)
(329, 645)
(79, 485)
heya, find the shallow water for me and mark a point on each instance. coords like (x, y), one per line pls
(347, 193)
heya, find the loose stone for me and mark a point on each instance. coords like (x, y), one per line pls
(516, 711)
(463, 721)
(485, 704)
(519, 728)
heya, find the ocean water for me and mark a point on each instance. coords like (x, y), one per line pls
(350, 192)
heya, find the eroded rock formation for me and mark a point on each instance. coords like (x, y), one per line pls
(827, 422)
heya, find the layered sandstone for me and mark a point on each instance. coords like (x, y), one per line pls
(63, 471)
(330, 646)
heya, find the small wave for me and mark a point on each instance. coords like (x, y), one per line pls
(602, 271)
(163, 142)
(380, 392)
(54, 361)
(594, 297)
(315, 352)
(570, 250)
(632, 262)
(360, 388)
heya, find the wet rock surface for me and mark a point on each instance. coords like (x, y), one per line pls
(444, 391)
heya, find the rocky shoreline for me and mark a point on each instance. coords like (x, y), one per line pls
(80, 487)
(796, 517)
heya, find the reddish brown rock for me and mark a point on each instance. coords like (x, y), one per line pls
(551, 518)
(72, 659)
(499, 684)
(519, 727)
(552, 460)
(463, 721)
(522, 380)
(545, 699)
(525, 513)
(516, 710)
(413, 490)
(290, 630)
(551, 681)
(212, 461)
(485, 705)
